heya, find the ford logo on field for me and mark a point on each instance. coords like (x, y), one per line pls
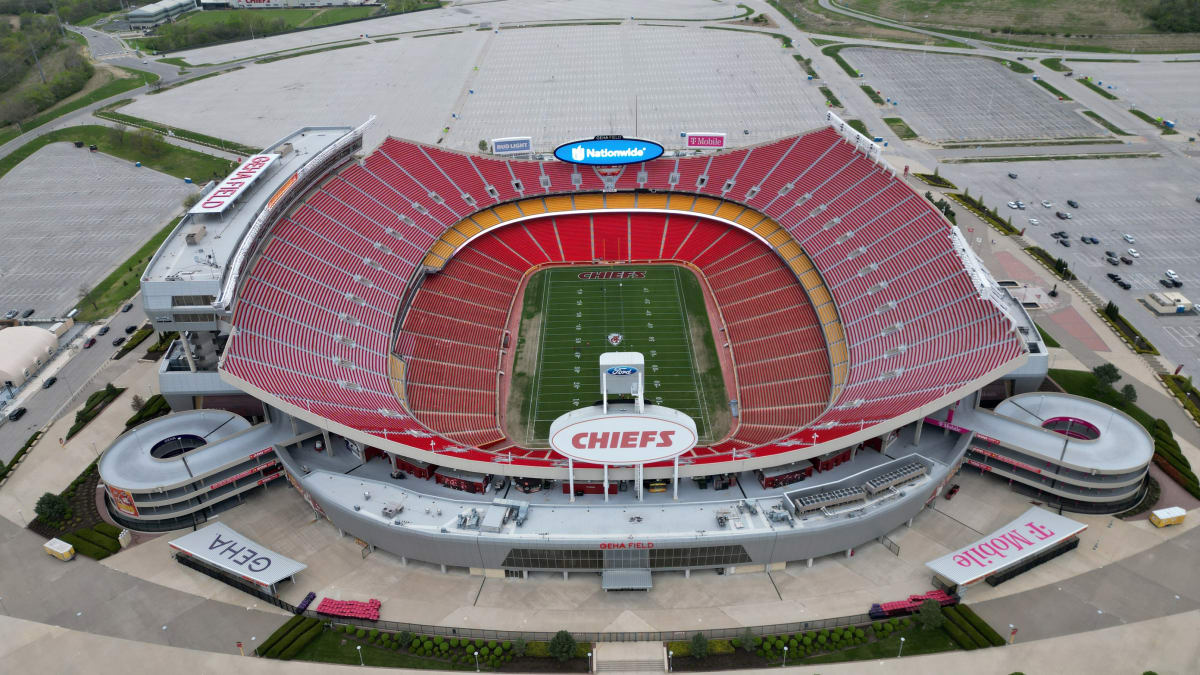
(622, 370)
(608, 151)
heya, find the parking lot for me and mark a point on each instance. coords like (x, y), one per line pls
(1158, 210)
(68, 217)
(1168, 90)
(947, 97)
(558, 84)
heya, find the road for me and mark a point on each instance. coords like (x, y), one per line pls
(85, 372)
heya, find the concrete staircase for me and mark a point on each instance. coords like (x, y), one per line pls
(629, 657)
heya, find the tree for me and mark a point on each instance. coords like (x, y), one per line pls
(136, 403)
(1129, 393)
(483, 146)
(699, 647)
(1106, 375)
(562, 646)
(82, 292)
(518, 647)
(930, 616)
(748, 641)
(52, 508)
(110, 389)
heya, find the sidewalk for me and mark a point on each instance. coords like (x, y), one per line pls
(49, 467)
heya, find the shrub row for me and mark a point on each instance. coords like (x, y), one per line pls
(107, 530)
(83, 547)
(986, 215)
(286, 628)
(958, 636)
(872, 94)
(94, 405)
(951, 613)
(103, 541)
(1166, 451)
(980, 625)
(300, 628)
(1182, 387)
(155, 406)
(935, 180)
(302, 641)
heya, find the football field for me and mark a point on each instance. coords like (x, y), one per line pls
(569, 317)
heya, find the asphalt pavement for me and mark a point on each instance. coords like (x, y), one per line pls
(86, 371)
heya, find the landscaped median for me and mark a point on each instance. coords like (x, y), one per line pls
(95, 404)
(935, 180)
(1052, 89)
(1132, 336)
(1087, 82)
(134, 340)
(1166, 131)
(989, 216)
(900, 128)
(6, 469)
(1056, 265)
(109, 112)
(830, 98)
(1185, 392)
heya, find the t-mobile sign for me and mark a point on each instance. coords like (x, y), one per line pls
(705, 140)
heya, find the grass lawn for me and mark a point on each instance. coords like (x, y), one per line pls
(120, 285)
(861, 128)
(1052, 89)
(900, 127)
(1106, 124)
(1047, 338)
(176, 161)
(339, 14)
(916, 641)
(1087, 82)
(1083, 383)
(328, 648)
(291, 17)
(565, 326)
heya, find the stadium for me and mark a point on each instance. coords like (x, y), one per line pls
(404, 327)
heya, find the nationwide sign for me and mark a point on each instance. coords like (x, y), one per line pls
(220, 546)
(516, 145)
(1035, 531)
(608, 151)
(659, 434)
(228, 190)
(705, 140)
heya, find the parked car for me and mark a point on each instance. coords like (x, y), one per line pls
(49, 382)
(1047, 204)
(952, 491)
(89, 343)
(1111, 254)
(1112, 260)
(117, 342)
(1072, 203)
(1012, 175)
(1172, 274)
(10, 314)
(128, 306)
(1167, 283)
(1129, 238)
(26, 314)
(1125, 284)
(1176, 283)
(1085, 239)
(1127, 260)
(1062, 215)
(129, 330)
(1133, 252)
(1065, 242)
(1093, 240)
(104, 330)
(1061, 234)
(1113, 275)
(1012, 205)
(16, 414)
(1034, 221)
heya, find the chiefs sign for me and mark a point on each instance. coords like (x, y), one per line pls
(623, 439)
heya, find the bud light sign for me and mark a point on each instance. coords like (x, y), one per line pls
(608, 151)
(622, 370)
(515, 145)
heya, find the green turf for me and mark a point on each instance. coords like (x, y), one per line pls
(340, 14)
(291, 17)
(566, 321)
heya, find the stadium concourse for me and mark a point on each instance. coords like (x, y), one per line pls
(365, 314)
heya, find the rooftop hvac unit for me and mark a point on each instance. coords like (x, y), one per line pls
(390, 509)
(195, 234)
